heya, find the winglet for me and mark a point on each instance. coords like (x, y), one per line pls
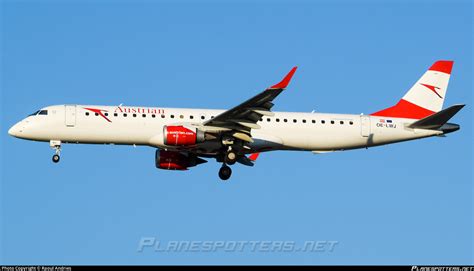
(253, 157)
(284, 83)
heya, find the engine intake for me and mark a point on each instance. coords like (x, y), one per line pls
(171, 160)
(182, 136)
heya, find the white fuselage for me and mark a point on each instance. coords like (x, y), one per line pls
(144, 126)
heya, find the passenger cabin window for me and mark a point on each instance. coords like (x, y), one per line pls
(313, 121)
(351, 122)
(87, 113)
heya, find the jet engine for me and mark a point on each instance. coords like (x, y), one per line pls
(171, 160)
(182, 136)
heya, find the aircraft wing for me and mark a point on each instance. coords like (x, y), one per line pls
(244, 117)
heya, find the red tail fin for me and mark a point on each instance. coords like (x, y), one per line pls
(426, 97)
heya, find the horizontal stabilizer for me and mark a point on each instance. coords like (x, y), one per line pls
(437, 120)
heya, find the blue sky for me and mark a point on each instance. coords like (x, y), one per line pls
(400, 204)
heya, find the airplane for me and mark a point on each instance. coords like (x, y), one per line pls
(185, 138)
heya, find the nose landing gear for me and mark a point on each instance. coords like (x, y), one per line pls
(56, 158)
(56, 145)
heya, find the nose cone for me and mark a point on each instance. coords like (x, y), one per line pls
(14, 130)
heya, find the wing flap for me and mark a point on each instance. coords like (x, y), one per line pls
(247, 124)
(243, 137)
(262, 111)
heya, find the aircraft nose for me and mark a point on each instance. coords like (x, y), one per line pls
(14, 130)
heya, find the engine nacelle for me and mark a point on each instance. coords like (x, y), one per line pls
(175, 160)
(170, 160)
(182, 136)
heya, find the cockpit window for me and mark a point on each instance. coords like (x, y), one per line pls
(40, 112)
(34, 114)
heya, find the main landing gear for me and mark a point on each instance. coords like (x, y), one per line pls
(56, 145)
(225, 172)
(230, 157)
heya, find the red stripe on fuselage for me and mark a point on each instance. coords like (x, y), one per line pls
(404, 109)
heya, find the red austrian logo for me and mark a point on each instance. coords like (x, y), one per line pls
(99, 112)
(433, 88)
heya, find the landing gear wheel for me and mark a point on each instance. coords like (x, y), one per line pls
(230, 157)
(225, 172)
(56, 145)
(56, 158)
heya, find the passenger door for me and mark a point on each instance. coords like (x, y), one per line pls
(70, 115)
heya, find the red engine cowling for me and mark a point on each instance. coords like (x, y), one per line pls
(182, 136)
(170, 160)
(175, 160)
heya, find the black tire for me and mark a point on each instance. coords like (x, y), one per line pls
(230, 158)
(225, 172)
(56, 158)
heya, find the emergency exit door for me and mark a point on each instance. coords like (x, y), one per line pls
(365, 126)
